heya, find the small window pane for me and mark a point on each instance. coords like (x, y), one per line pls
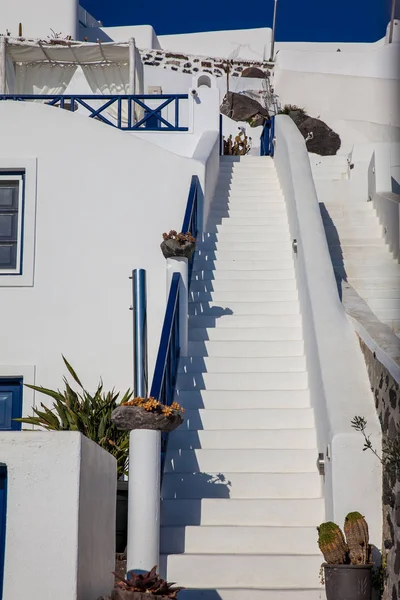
(8, 227)
(9, 194)
(8, 256)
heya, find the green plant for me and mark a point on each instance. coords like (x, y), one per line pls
(239, 146)
(390, 458)
(86, 413)
(357, 537)
(288, 108)
(332, 544)
(149, 583)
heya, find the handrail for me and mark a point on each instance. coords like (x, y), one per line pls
(125, 115)
(267, 138)
(190, 220)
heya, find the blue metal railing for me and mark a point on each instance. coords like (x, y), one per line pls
(267, 138)
(190, 219)
(125, 106)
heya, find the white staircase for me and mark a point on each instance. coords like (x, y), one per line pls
(241, 490)
(358, 250)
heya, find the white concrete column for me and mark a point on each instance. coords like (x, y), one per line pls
(132, 66)
(143, 549)
(180, 265)
(3, 47)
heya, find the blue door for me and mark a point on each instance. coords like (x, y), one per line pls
(3, 513)
(10, 403)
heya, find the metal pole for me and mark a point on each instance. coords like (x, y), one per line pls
(392, 21)
(139, 332)
(143, 547)
(3, 41)
(273, 32)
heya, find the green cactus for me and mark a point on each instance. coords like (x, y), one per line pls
(332, 544)
(357, 537)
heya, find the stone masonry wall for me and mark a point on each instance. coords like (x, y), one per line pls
(387, 401)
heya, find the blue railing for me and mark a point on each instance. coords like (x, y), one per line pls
(267, 138)
(126, 106)
(166, 367)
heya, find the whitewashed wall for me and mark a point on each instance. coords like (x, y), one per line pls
(60, 529)
(103, 199)
(338, 378)
(60, 16)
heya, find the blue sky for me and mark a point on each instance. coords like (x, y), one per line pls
(309, 20)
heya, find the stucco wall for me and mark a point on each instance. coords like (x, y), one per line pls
(60, 16)
(337, 377)
(103, 199)
(60, 531)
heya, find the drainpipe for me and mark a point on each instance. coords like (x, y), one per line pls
(392, 21)
(271, 58)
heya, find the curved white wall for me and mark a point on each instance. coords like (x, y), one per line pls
(38, 21)
(104, 197)
(337, 374)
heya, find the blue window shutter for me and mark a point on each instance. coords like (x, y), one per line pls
(10, 404)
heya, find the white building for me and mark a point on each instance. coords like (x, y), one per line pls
(84, 201)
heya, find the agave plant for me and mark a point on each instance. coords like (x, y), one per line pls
(89, 414)
(149, 583)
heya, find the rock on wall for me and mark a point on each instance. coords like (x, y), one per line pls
(387, 401)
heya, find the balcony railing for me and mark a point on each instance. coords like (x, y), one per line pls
(126, 112)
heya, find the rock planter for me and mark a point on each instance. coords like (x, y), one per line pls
(127, 595)
(173, 248)
(348, 582)
(135, 417)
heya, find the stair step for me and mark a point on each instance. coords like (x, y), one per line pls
(246, 349)
(269, 488)
(245, 236)
(247, 321)
(353, 232)
(225, 570)
(269, 249)
(367, 271)
(217, 364)
(376, 283)
(264, 418)
(270, 204)
(243, 308)
(245, 213)
(228, 334)
(201, 264)
(249, 195)
(238, 540)
(233, 285)
(250, 226)
(244, 296)
(236, 400)
(253, 594)
(230, 439)
(222, 274)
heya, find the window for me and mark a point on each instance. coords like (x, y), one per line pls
(11, 217)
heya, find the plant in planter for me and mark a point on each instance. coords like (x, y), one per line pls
(178, 244)
(348, 566)
(144, 586)
(147, 413)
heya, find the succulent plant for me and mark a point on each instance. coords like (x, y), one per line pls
(332, 544)
(149, 583)
(357, 537)
(181, 238)
(152, 405)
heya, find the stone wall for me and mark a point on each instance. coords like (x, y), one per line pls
(192, 64)
(387, 401)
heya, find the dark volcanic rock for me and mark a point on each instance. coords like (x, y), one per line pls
(254, 72)
(324, 142)
(135, 417)
(242, 108)
(171, 248)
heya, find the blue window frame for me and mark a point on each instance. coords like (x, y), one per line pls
(10, 403)
(3, 515)
(11, 222)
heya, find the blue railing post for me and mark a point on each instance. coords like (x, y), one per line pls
(143, 547)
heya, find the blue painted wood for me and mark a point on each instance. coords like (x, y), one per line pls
(190, 221)
(10, 404)
(151, 121)
(267, 138)
(3, 516)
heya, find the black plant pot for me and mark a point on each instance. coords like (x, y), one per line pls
(348, 582)
(172, 249)
(121, 520)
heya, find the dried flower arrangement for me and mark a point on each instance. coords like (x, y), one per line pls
(152, 405)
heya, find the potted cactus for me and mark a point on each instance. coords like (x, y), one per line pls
(348, 566)
(144, 586)
(178, 245)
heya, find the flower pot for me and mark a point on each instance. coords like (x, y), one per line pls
(118, 594)
(135, 417)
(171, 248)
(348, 582)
